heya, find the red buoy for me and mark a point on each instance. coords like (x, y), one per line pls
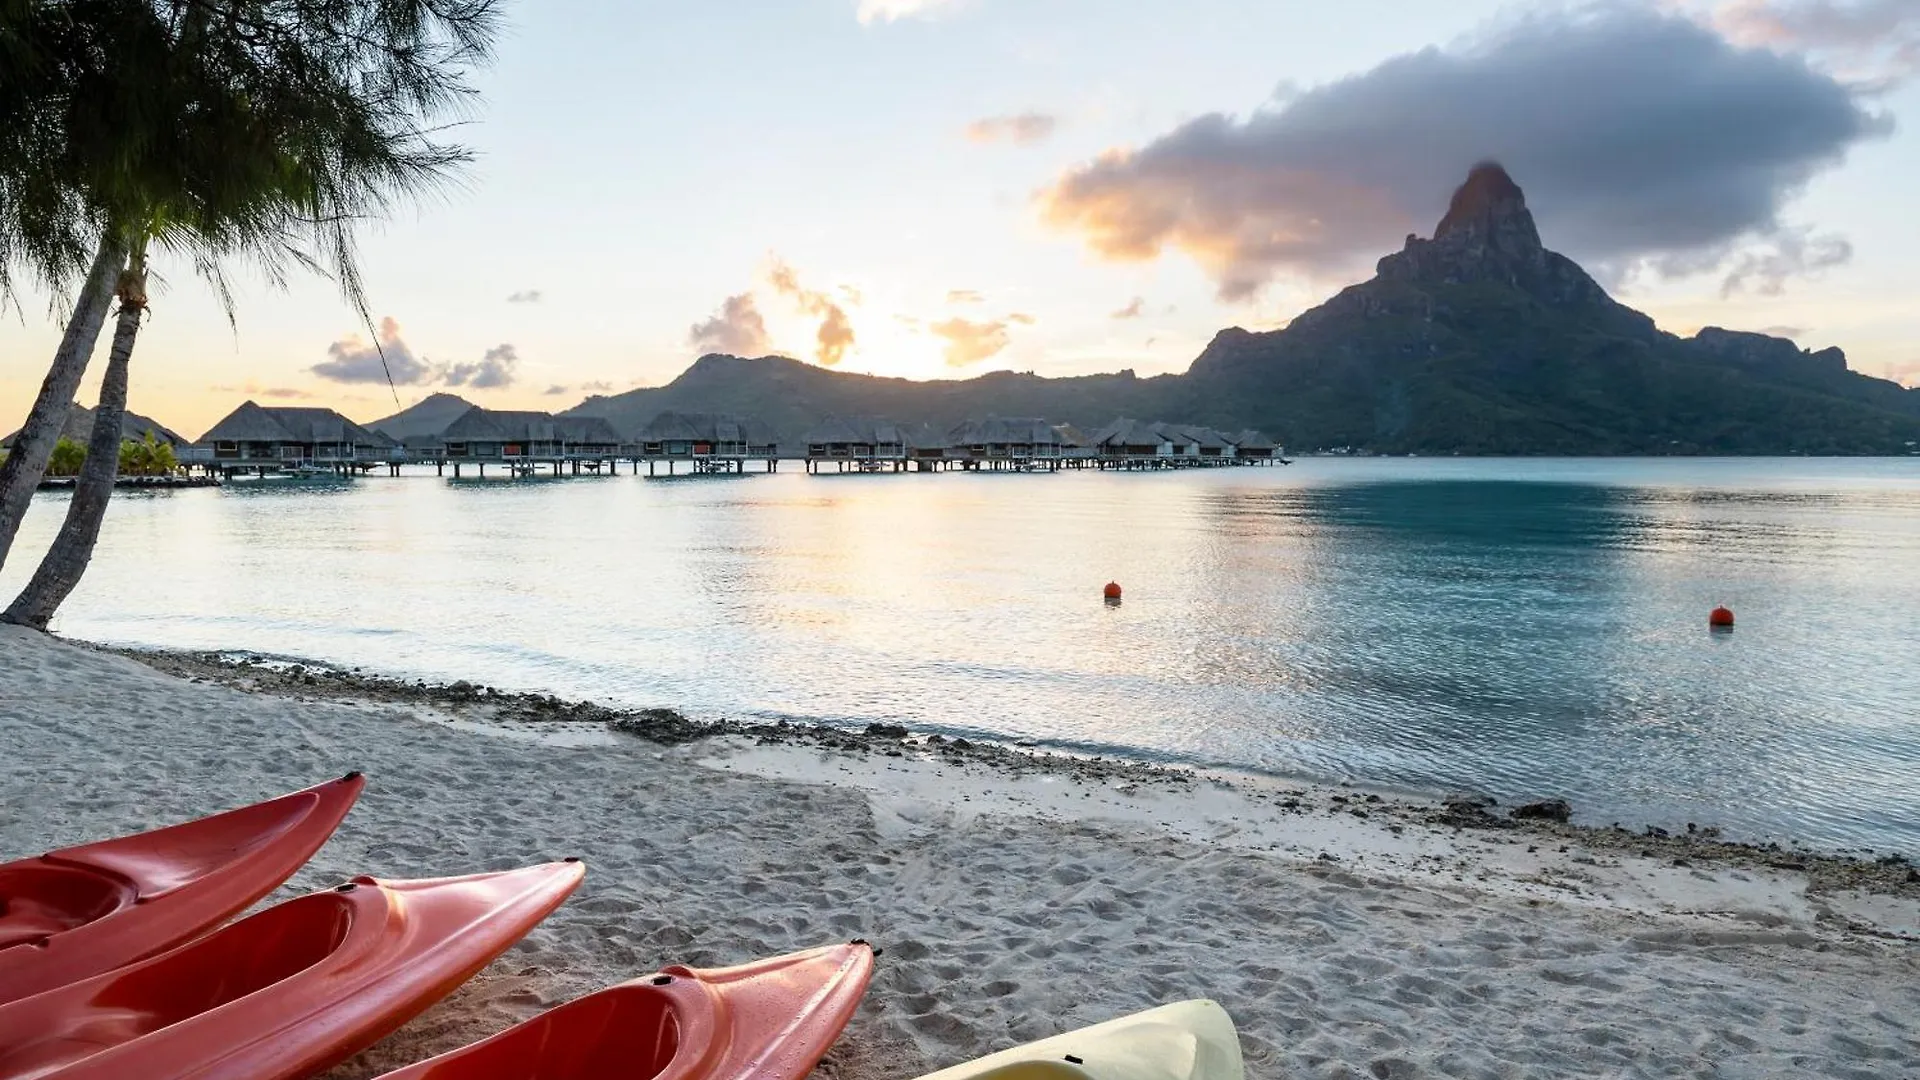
(1112, 591)
(1721, 617)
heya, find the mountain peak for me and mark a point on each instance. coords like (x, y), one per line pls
(1489, 209)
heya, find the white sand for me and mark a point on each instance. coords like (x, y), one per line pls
(1009, 908)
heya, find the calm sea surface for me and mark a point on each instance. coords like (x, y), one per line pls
(1523, 628)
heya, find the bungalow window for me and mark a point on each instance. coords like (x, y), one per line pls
(456, 449)
(226, 448)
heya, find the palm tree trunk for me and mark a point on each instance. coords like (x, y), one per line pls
(60, 569)
(27, 462)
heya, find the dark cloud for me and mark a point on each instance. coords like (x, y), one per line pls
(737, 329)
(1784, 331)
(970, 342)
(1133, 310)
(1639, 136)
(525, 296)
(1875, 43)
(598, 386)
(555, 390)
(493, 371)
(1021, 130)
(353, 360)
(964, 296)
(835, 335)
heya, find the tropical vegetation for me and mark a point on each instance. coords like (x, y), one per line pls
(208, 132)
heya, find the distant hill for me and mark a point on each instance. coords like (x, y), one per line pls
(793, 396)
(429, 416)
(1480, 340)
(79, 428)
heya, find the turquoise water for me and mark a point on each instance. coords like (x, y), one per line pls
(1522, 628)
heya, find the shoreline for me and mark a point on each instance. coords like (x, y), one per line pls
(1015, 895)
(478, 707)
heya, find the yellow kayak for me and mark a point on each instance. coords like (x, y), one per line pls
(1189, 1040)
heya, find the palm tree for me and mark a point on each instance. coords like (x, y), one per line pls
(45, 66)
(257, 129)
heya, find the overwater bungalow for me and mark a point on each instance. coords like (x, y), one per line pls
(1251, 446)
(865, 444)
(712, 442)
(263, 439)
(1019, 443)
(524, 440)
(1128, 443)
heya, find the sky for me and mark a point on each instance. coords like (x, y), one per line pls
(941, 188)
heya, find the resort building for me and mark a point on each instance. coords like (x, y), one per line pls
(524, 440)
(1020, 443)
(258, 438)
(712, 442)
(864, 444)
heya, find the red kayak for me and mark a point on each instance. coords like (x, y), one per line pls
(286, 993)
(771, 1020)
(83, 910)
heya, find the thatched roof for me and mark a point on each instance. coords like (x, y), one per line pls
(1005, 431)
(501, 425)
(705, 427)
(586, 429)
(865, 430)
(1126, 432)
(78, 427)
(1253, 440)
(252, 422)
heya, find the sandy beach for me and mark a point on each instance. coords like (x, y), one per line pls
(1350, 934)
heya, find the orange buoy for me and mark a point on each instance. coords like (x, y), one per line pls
(1720, 617)
(1112, 591)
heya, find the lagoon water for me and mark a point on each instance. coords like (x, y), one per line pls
(1523, 628)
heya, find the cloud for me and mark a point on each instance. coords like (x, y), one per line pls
(555, 390)
(964, 296)
(1783, 331)
(737, 329)
(1639, 136)
(1022, 318)
(354, 360)
(1787, 253)
(525, 296)
(493, 371)
(1133, 310)
(970, 342)
(1875, 43)
(598, 386)
(872, 11)
(1907, 375)
(254, 390)
(1022, 129)
(835, 335)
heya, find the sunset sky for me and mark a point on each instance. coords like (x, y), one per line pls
(939, 188)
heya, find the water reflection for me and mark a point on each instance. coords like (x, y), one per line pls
(1523, 628)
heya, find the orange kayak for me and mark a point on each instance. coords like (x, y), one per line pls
(771, 1020)
(83, 910)
(286, 993)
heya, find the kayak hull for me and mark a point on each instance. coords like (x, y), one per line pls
(80, 911)
(1188, 1040)
(287, 992)
(770, 1020)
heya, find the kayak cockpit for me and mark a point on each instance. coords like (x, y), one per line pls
(241, 959)
(41, 899)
